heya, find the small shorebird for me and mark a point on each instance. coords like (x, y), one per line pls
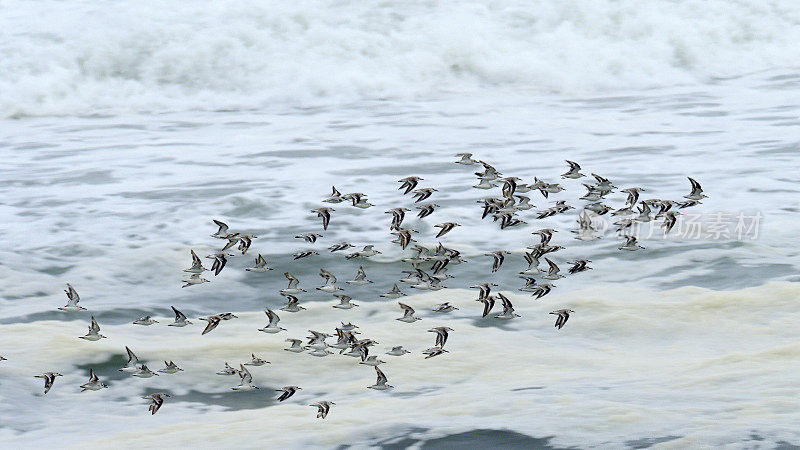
(144, 372)
(94, 332)
(488, 304)
(157, 400)
(426, 209)
(485, 289)
(508, 310)
(292, 287)
(366, 252)
(574, 171)
(631, 244)
(49, 379)
(323, 408)
(287, 391)
(409, 183)
(296, 347)
(214, 320)
(466, 159)
(433, 351)
(72, 300)
(445, 228)
(228, 370)
(335, 197)
(563, 316)
(360, 278)
(340, 246)
(197, 264)
(670, 219)
(247, 380)
(309, 237)
(394, 293)
(423, 193)
(194, 279)
(444, 307)
(94, 383)
(397, 351)
(180, 319)
(272, 327)
(223, 230)
(170, 367)
(579, 265)
(260, 265)
(441, 335)
(498, 259)
(697, 191)
(344, 301)
(133, 362)
(325, 213)
(552, 272)
(292, 303)
(145, 320)
(408, 314)
(220, 259)
(304, 254)
(380, 384)
(372, 360)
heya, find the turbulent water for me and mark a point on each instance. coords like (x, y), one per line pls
(128, 126)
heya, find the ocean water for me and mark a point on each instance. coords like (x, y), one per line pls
(128, 126)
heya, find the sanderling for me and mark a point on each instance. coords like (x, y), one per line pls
(344, 301)
(260, 265)
(433, 351)
(630, 244)
(72, 300)
(372, 361)
(287, 391)
(323, 408)
(325, 213)
(670, 218)
(579, 265)
(553, 271)
(426, 209)
(380, 384)
(359, 200)
(180, 319)
(272, 327)
(309, 237)
(291, 303)
(157, 400)
(697, 191)
(466, 159)
(94, 383)
(197, 264)
(133, 362)
(94, 332)
(170, 367)
(573, 172)
(348, 326)
(488, 304)
(220, 259)
(563, 316)
(485, 184)
(366, 252)
(409, 183)
(145, 320)
(304, 254)
(292, 287)
(223, 229)
(444, 307)
(485, 289)
(408, 313)
(227, 370)
(398, 215)
(214, 320)
(49, 379)
(335, 197)
(445, 228)
(508, 310)
(498, 258)
(246, 384)
(144, 372)
(423, 193)
(397, 351)
(441, 335)
(340, 246)
(297, 346)
(194, 279)
(360, 279)
(633, 195)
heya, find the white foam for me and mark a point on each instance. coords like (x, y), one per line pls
(94, 57)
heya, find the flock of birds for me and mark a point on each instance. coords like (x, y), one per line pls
(428, 269)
